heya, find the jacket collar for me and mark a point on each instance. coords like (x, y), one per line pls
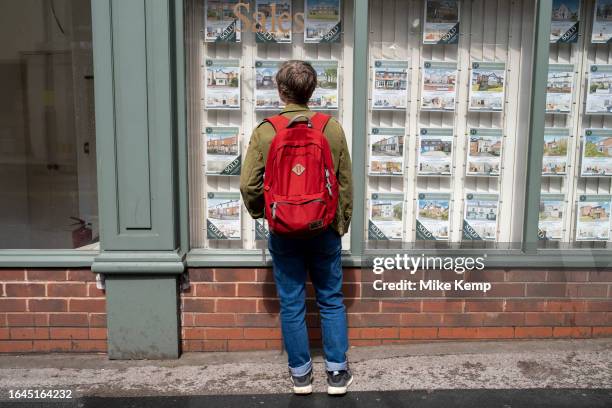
(294, 107)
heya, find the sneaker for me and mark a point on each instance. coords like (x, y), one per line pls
(338, 381)
(302, 385)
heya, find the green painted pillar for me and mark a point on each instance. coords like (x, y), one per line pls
(360, 113)
(137, 116)
(541, 51)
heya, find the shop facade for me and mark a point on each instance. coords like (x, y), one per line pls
(478, 129)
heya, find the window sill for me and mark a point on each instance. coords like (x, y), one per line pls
(226, 259)
(47, 258)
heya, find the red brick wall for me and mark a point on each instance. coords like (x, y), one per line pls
(237, 309)
(45, 310)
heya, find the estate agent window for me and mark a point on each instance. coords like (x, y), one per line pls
(447, 132)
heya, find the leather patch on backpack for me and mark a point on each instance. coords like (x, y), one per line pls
(315, 225)
(298, 169)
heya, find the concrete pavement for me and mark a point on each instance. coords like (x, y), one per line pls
(461, 368)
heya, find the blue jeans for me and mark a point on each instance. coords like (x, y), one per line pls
(321, 256)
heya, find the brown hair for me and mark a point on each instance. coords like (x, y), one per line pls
(296, 81)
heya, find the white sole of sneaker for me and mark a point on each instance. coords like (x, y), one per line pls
(338, 390)
(307, 389)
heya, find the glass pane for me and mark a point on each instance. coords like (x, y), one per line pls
(449, 96)
(231, 67)
(48, 195)
(577, 162)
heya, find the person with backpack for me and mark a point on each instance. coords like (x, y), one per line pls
(297, 174)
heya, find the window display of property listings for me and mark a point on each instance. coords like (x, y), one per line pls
(466, 116)
(446, 136)
(234, 53)
(577, 159)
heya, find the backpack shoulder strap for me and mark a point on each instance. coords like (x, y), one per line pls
(319, 121)
(278, 122)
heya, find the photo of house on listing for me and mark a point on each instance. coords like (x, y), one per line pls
(597, 153)
(433, 217)
(484, 152)
(222, 82)
(222, 151)
(439, 86)
(390, 85)
(554, 162)
(266, 94)
(387, 151)
(593, 221)
(274, 21)
(386, 216)
(559, 88)
(441, 22)
(223, 216)
(564, 22)
(480, 217)
(325, 95)
(602, 22)
(435, 152)
(322, 21)
(221, 23)
(487, 86)
(552, 211)
(599, 92)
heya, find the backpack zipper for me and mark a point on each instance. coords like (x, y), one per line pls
(328, 183)
(276, 203)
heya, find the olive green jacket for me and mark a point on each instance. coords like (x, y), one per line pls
(251, 176)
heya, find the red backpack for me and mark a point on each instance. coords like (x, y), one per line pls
(300, 186)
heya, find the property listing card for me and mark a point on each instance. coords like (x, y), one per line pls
(222, 84)
(435, 152)
(599, 92)
(565, 21)
(390, 85)
(602, 22)
(441, 22)
(262, 232)
(223, 216)
(484, 152)
(597, 153)
(552, 211)
(480, 217)
(222, 151)
(266, 93)
(554, 162)
(487, 86)
(593, 218)
(325, 96)
(433, 217)
(277, 19)
(439, 86)
(386, 217)
(387, 151)
(220, 22)
(322, 21)
(559, 88)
